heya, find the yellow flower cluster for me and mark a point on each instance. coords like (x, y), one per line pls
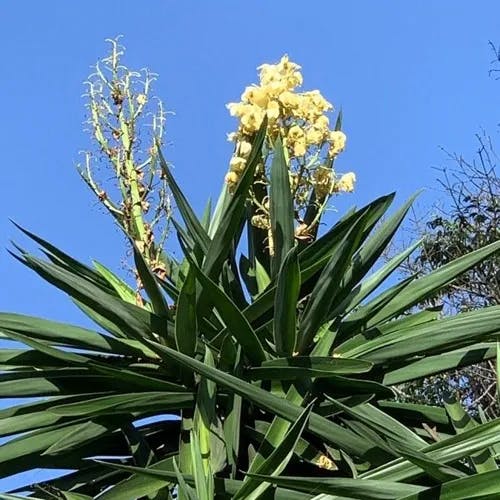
(298, 117)
(300, 120)
(326, 183)
(346, 183)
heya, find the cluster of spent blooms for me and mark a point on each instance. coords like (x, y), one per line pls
(122, 168)
(300, 119)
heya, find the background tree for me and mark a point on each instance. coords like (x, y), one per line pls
(466, 219)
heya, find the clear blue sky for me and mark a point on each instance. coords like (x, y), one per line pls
(410, 77)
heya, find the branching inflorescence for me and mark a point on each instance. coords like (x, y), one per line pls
(300, 120)
(122, 170)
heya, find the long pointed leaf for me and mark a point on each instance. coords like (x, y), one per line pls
(426, 286)
(68, 261)
(306, 366)
(68, 335)
(121, 288)
(230, 220)
(116, 404)
(138, 322)
(436, 364)
(236, 323)
(446, 451)
(148, 280)
(483, 461)
(432, 337)
(285, 305)
(325, 291)
(281, 208)
(480, 486)
(186, 326)
(193, 225)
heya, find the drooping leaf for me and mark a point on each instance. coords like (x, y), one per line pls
(126, 403)
(306, 366)
(345, 487)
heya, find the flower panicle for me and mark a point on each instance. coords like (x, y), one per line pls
(300, 119)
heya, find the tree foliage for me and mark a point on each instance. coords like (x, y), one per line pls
(469, 220)
(466, 219)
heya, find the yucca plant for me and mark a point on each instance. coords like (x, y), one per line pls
(265, 373)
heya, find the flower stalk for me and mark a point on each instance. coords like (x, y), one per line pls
(125, 120)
